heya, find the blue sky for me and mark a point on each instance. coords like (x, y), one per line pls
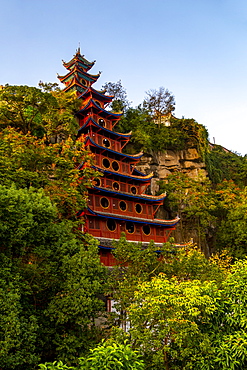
(195, 48)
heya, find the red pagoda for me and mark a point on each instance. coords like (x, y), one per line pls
(117, 202)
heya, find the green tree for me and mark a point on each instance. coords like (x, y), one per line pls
(166, 322)
(194, 202)
(230, 336)
(57, 279)
(18, 331)
(159, 102)
(137, 265)
(232, 229)
(225, 165)
(120, 102)
(28, 161)
(112, 356)
(41, 113)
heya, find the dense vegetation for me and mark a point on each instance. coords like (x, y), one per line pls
(51, 277)
(184, 311)
(211, 209)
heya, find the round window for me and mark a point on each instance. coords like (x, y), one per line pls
(138, 208)
(115, 186)
(96, 182)
(130, 227)
(101, 122)
(104, 202)
(106, 143)
(146, 229)
(106, 163)
(111, 225)
(84, 82)
(98, 103)
(122, 205)
(115, 165)
(133, 190)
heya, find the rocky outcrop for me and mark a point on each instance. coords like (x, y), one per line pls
(165, 163)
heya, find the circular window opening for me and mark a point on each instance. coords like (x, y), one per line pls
(106, 143)
(98, 103)
(106, 163)
(115, 186)
(115, 166)
(111, 225)
(84, 82)
(138, 208)
(133, 190)
(146, 229)
(101, 122)
(96, 182)
(104, 202)
(130, 228)
(122, 205)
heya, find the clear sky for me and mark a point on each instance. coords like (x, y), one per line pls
(195, 48)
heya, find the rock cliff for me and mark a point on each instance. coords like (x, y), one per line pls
(163, 164)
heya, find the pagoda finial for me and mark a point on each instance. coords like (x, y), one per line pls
(79, 49)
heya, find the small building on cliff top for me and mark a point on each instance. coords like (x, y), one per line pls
(117, 201)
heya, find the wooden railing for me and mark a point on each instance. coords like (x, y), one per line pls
(106, 142)
(116, 166)
(125, 208)
(120, 186)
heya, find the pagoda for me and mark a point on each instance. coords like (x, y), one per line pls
(117, 202)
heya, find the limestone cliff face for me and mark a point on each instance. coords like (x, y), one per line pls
(163, 164)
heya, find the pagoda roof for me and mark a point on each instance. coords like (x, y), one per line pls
(78, 58)
(137, 172)
(134, 157)
(146, 178)
(154, 221)
(74, 83)
(151, 198)
(91, 103)
(92, 122)
(80, 73)
(100, 94)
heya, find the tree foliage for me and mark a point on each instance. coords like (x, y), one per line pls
(51, 275)
(137, 265)
(166, 318)
(225, 165)
(40, 113)
(183, 311)
(28, 161)
(112, 356)
(55, 281)
(159, 102)
(120, 102)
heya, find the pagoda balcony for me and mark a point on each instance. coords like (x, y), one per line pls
(112, 164)
(126, 208)
(119, 186)
(138, 232)
(106, 142)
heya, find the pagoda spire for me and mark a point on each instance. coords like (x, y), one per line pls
(78, 79)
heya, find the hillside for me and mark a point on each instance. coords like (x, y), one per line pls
(204, 182)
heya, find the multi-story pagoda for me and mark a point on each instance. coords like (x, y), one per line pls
(117, 202)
